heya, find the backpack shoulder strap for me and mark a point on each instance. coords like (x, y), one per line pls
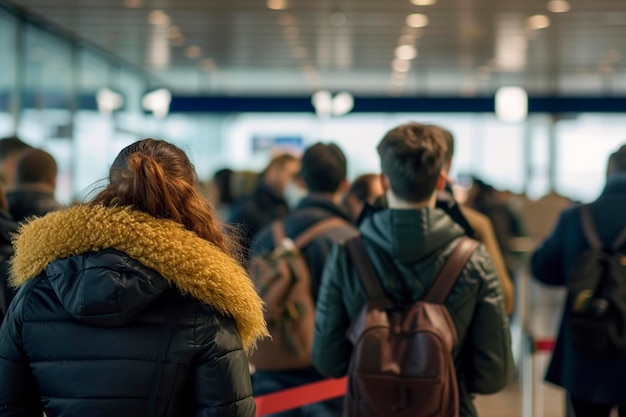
(365, 270)
(619, 241)
(589, 228)
(449, 274)
(278, 232)
(317, 230)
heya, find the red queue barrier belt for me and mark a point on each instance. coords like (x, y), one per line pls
(330, 388)
(300, 396)
(544, 345)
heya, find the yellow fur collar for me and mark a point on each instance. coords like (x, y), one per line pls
(193, 265)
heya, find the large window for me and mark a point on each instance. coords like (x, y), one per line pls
(8, 72)
(583, 148)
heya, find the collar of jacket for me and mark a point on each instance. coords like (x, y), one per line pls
(615, 184)
(410, 235)
(326, 204)
(264, 191)
(32, 187)
(193, 265)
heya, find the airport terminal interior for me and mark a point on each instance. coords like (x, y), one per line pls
(534, 92)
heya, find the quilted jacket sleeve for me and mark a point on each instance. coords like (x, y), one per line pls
(489, 367)
(222, 386)
(331, 349)
(19, 395)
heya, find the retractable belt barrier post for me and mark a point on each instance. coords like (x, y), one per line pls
(300, 396)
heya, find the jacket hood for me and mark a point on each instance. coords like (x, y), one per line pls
(159, 253)
(410, 235)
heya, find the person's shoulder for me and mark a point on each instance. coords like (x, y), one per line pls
(22, 303)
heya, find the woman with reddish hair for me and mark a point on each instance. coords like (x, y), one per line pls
(132, 304)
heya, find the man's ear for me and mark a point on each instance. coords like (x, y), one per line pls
(442, 181)
(300, 182)
(384, 180)
(344, 187)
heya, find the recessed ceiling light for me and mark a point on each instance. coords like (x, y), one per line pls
(286, 19)
(208, 65)
(193, 52)
(173, 32)
(423, 2)
(338, 19)
(538, 21)
(133, 4)
(158, 18)
(407, 40)
(277, 4)
(417, 20)
(400, 65)
(178, 40)
(406, 52)
(558, 6)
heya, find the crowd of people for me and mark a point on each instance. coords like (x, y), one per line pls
(162, 296)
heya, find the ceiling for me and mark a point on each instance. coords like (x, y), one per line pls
(468, 46)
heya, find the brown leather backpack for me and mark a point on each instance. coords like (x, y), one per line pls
(402, 364)
(283, 281)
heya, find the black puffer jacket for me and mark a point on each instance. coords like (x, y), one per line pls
(109, 332)
(407, 248)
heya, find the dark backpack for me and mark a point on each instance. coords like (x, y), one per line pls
(597, 294)
(402, 364)
(283, 281)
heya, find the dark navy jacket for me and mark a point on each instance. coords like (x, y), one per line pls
(588, 379)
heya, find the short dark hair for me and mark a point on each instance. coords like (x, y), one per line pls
(12, 145)
(35, 165)
(324, 168)
(279, 161)
(617, 161)
(361, 187)
(412, 156)
(449, 138)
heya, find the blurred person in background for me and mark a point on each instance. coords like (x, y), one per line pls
(10, 149)
(324, 171)
(366, 189)
(8, 227)
(132, 304)
(595, 384)
(34, 185)
(475, 224)
(506, 223)
(222, 181)
(268, 201)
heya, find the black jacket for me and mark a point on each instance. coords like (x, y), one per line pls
(586, 378)
(7, 228)
(29, 200)
(256, 211)
(121, 314)
(310, 211)
(407, 248)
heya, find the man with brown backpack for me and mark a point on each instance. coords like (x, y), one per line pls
(287, 261)
(412, 310)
